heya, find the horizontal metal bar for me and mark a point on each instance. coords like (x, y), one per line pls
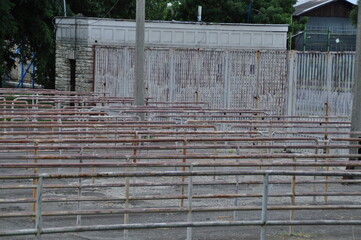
(184, 173)
(178, 225)
(174, 197)
(164, 183)
(182, 210)
(180, 156)
(320, 163)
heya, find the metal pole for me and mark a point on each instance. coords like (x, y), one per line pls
(264, 207)
(293, 198)
(38, 218)
(356, 113)
(190, 195)
(199, 17)
(126, 204)
(64, 2)
(139, 52)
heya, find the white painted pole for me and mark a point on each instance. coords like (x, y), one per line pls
(64, 2)
(139, 53)
(199, 17)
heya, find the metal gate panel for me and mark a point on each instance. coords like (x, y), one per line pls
(157, 74)
(272, 80)
(242, 78)
(323, 83)
(234, 78)
(114, 71)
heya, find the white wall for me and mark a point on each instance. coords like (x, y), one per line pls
(110, 32)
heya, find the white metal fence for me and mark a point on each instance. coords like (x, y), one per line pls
(297, 83)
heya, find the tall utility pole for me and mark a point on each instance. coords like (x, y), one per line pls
(356, 106)
(139, 53)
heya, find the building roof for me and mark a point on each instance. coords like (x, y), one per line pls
(306, 6)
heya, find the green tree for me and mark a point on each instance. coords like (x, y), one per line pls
(226, 11)
(7, 30)
(236, 11)
(28, 24)
(353, 15)
(124, 9)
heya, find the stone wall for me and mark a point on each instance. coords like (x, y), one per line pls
(83, 56)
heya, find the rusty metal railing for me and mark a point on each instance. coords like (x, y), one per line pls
(81, 158)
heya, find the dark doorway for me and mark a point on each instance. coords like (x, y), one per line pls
(72, 74)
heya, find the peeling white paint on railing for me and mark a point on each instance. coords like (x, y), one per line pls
(223, 78)
(296, 83)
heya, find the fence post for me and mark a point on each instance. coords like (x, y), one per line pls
(227, 82)
(171, 85)
(190, 195)
(35, 181)
(38, 218)
(80, 188)
(126, 204)
(184, 160)
(293, 197)
(291, 98)
(329, 79)
(235, 213)
(264, 206)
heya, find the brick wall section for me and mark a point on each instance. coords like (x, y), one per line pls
(84, 67)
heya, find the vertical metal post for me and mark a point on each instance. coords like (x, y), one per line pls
(235, 213)
(304, 39)
(199, 16)
(327, 150)
(38, 218)
(136, 152)
(190, 198)
(227, 85)
(35, 181)
(356, 113)
(290, 35)
(293, 197)
(64, 2)
(264, 206)
(329, 80)
(184, 160)
(126, 204)
(80, 190)
(291, 98)
(328, 39)
(258, 80)
(172, 77)
(139, 52)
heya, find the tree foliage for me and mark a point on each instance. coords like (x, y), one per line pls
(7, 30)
(28, 24)
(235, 11)
(353, 15)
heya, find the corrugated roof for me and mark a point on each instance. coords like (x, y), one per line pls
(312, 4)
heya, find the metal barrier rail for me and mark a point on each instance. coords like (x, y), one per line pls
(189, 210)
(71, 138)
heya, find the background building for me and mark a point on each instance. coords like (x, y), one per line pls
(329, 27)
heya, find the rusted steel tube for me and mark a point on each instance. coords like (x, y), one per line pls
(174, 197)
(179, 156)
(144, 184)
(180, 164)
(182, 210)
(183, 173)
